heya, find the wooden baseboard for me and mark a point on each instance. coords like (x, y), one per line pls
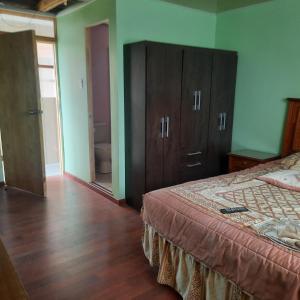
(94, 187)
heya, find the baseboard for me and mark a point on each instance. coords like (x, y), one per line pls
(101, 191)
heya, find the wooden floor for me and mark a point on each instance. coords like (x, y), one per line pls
(76, 245)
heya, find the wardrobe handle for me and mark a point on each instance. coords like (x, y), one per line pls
(162, 127)
(195, 100)
(224, 120)
(194, 153)
(194, 165)
(220, 121)
(199, 101)
(167, 126)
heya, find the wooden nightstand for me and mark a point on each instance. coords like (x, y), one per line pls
(243, 159)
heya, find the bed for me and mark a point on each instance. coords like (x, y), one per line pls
(204, 254)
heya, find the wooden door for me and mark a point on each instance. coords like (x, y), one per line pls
(20, 113)
(196, 85)
(172, 100)
(221, 111)
(163, 111)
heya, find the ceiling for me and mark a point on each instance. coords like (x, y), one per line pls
(33, 5)
(207, 5)
(216, 5)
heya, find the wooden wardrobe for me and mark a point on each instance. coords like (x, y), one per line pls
(178, 114)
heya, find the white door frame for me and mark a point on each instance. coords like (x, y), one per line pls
(90, 97)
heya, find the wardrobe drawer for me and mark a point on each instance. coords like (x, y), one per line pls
(193, 167)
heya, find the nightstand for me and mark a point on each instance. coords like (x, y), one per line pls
(243, 159)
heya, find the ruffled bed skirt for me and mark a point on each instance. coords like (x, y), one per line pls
(179, 270)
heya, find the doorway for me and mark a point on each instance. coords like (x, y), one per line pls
(53, 158)
(97, 42)
(50, 108)
(21, 114)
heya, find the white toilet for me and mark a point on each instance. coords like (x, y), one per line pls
(102, 148)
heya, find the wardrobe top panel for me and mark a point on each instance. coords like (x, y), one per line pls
(146, 43)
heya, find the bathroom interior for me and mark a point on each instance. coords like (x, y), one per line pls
(100, 91)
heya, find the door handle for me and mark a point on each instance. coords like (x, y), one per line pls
(224, 120)
(162, 127)
(167, 126)
(199, 101)
(220, 121)
(34, 112)
(195, 100)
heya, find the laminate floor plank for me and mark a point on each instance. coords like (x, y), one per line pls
(76, 244)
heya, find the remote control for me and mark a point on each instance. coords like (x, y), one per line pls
(232, 210)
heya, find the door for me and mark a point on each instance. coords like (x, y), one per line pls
(164, 63)
(221, 112)
(172, 100)
(196, 84)
(20, 113)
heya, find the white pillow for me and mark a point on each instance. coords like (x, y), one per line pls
(286, 179)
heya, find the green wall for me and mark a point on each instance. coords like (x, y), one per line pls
(136, 20)
(267, 39)
(74, 104)
(265, 35)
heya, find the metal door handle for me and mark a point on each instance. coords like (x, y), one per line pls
(167, 126)
(220, 121)
(162, 127)
(34, 112)
(199, 101)
(194, 165)
(224, 120)
(195, 100)
(194, 153)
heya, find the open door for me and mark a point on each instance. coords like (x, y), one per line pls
(20, 113)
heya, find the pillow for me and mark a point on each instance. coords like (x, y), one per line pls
(286, 179)
(291, 162)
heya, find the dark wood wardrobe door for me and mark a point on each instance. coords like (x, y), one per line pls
(221, 111)
(164, 63)
(135, 122)
(196, 84)
(172, 100)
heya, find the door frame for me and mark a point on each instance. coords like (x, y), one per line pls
(90, 97)
(58, 112)
(58, 105)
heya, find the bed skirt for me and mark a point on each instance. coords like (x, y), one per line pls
(190, 278)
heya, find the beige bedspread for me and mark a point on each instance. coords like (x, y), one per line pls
(188, 216)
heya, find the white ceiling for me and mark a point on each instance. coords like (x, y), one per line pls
(216, 5)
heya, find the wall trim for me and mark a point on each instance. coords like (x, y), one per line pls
(98, 189)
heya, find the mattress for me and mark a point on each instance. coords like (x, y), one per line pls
(188, 216)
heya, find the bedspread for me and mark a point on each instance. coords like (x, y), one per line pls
(188, 216)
